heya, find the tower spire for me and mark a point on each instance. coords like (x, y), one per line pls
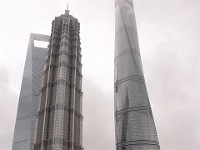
(67, 5)
(67, 11)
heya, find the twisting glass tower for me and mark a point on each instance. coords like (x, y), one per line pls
(59, 125)
(134, 124)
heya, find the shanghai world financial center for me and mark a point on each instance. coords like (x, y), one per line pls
(49, 115)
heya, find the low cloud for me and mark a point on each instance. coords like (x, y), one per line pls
(7, 110)
(98, 123)
(173, 84)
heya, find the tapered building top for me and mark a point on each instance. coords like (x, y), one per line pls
(134, 123)
(59, 124)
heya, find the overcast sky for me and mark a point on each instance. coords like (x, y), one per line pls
(169, 38)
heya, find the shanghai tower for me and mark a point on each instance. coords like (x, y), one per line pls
(59, 125)
(134, 123)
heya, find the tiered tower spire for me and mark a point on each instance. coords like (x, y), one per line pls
(60, 115)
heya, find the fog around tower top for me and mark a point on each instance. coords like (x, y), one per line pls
(169, 43)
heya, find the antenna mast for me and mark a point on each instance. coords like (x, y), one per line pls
(67, 5)
(67, 11)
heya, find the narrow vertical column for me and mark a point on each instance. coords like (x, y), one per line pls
(134, 124)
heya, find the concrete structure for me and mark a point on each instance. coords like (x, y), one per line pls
(59, 125)
(29, 95)
(134, 123)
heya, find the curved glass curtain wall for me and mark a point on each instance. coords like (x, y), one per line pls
(134, 124)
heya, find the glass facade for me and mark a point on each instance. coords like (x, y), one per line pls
(29, 95)
(134, 123)
(59, 123)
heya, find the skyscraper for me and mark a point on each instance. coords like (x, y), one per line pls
(59, 125)
(134, 123)
(29, 95)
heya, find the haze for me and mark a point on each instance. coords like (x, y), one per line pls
(169, 36)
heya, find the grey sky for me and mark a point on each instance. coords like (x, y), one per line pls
(169, 37)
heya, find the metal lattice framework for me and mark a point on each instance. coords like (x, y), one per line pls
(134, 123)
(60, 117)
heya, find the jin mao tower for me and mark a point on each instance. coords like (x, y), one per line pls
(59, 125)
(134, 123)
